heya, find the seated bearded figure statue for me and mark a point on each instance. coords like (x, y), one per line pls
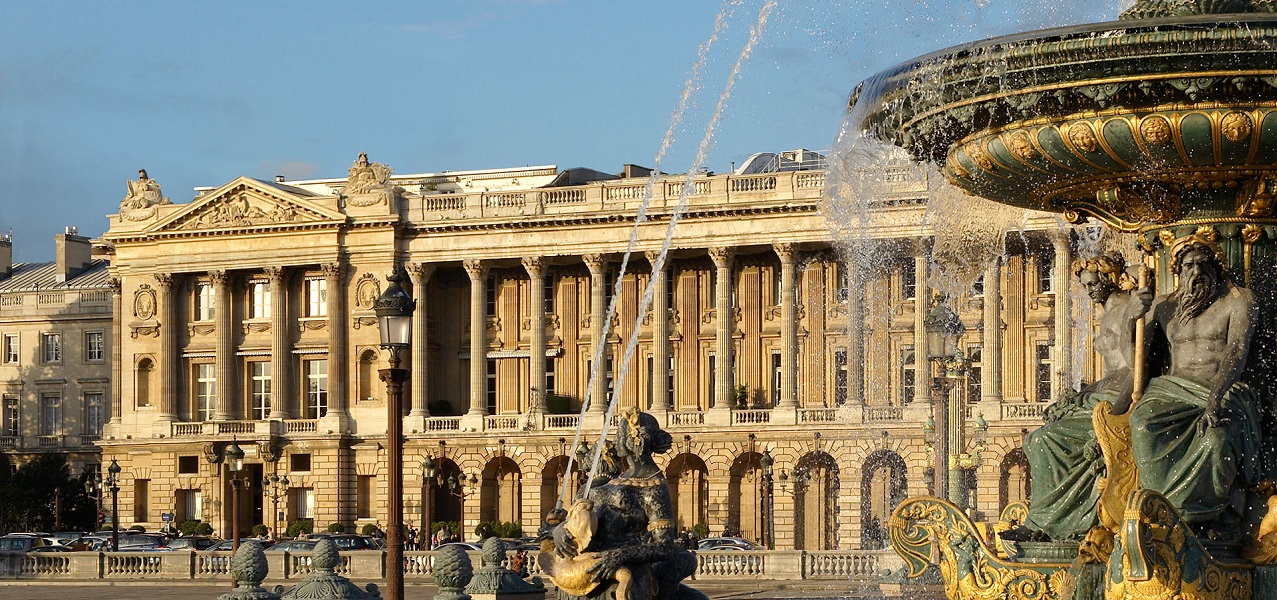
(622, 532)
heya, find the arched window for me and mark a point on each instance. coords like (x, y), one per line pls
(814, 483)
(1014, 478)
(882, 487)
(688, 479)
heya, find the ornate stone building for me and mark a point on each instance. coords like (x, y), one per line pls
(246, 315)
(55, 353)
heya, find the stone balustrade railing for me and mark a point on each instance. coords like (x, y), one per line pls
(862, 565)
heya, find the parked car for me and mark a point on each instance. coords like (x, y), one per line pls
(56, 548)
(467, 546)
(226, 545)
(66, 538)
(726, 543)
(346, 541)
(144, 542)
(194, 542)
(17, 542)
(294, 546)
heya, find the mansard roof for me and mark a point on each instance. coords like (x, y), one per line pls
(41, 276)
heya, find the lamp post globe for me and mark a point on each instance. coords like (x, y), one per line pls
(394, 310)
(113, 482)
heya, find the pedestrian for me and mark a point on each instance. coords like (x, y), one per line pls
(412, 538)
(434, 539)
(519, 562)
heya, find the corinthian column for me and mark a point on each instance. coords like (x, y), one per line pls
(1063, 322)
(598, 317)
(788, 327)
(921, 304)
(660, 334)
(279, 350)
(225, 347)
(477, 270)
(338, 338)
(117, 367)
(855, 336)
(991, 351)
(419, 395)
(171, 362)
(723, 391)
(535, 267)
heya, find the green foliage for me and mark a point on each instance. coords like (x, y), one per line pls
(260, 530)
(204, 529)
(558, 404)
(138, 529)
(453, 526)
(300, 526)
(368, 529)
(31, 495)
(336, 528)
(741, 396)
(190, 527)
(500, 529)
(701, 530)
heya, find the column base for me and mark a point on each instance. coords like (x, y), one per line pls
(333, 422)
(472, 421)
(415, 424)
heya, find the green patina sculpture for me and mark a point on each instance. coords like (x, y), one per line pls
(249, 567)
(1063, 454)
(1152, 9)
(493, 578)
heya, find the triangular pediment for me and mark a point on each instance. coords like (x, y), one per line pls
(247, 203)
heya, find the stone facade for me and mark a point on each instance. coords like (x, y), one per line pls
(246, 315)
(55, 353)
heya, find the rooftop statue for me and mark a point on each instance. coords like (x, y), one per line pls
(1196, 428)
(1063, 454)
(621, 536)
(143, 193)
(367, 179)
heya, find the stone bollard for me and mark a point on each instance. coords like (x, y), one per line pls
(495, 582)
(452, 571)
(325, 582)
(249, 567)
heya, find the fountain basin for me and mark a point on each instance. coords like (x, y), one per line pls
(1133, 122)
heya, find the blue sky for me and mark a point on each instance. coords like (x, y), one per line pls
(200, 93)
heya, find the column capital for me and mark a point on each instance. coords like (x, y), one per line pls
(786, 251)
(218, 277)
(594, 262)
(923, 245)
(274, 273)
(1062, 240)
(475, 268)
(722, 256)
(115, 285)
(419, 272)
(534, 265)
(652, 256)
(332, 270)
(165, 281)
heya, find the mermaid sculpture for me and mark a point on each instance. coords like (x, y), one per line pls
(619, 540)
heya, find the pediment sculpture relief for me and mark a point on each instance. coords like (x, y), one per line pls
(240, 210)
(368, 183)
(142, 196)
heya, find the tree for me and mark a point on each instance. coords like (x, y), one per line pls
(43, 496)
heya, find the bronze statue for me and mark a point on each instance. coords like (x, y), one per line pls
(621, 536)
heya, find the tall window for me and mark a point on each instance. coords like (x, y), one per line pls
(317, 297)
(11, 348)
(549, 375)
(490, 296)
(51, 347)
(713, 380)
(977, 287)
(11, 420)
(777, 287)
(51, 423)
(671, 283)
(259, 393)
(1043, 367)
(143, 376)
(491, 389)
(840, 377)
(304, 503)
(204, 299)
(316, 388)
(366, 489)
(190, 505)
(259, 300)
(608, 365)
(93, 413)
(974, 373)
(609, 287)
(548, 302)
(141, 499)
(908, 374)
(669, 379)
(843, 282)
(776, 378)
(94, 346)
(1046, 272)
(205, 391)
(908, 280)
(651, 385)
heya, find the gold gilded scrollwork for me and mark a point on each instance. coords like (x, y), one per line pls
(1124, 209)
(923, 527)
(1113, 432)
(1158, 557)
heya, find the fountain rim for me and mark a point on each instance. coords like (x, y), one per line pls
(1212, 21)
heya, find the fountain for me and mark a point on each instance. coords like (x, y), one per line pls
(1163, 125)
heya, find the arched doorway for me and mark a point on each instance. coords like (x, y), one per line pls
(814, 483)
(1014, 478)
(552, 477)
(882, 487)
(745, 510)
(689, 490)
(502, 493)
(446, 504)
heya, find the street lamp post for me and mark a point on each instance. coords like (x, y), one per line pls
(394, 319)
(457, 487)
(234, 456)
(769, 503)
(113, 484)
(276, 488)
(429, 470)
(946, 427)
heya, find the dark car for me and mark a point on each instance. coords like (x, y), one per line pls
(726, 543)
(347, 541)
(225, 545)
(15, 542)
(195, 542)
(294, 546)
(144, 542)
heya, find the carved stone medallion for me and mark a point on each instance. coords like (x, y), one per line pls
(1083, 137)
(367, 291)
(1156, 130)
(144, 302)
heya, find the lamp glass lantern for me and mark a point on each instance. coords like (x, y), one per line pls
(235, 458)
(766, 462)
(428, 468)
(394, 310)
(943, 329)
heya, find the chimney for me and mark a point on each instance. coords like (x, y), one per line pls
(75, 254)
(6, 254)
